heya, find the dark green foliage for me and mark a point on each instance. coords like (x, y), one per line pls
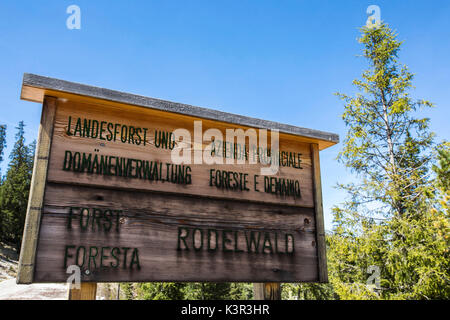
(160, 291)
(218, 291)
(193, 291)
(2, 148)
(2, 142)
(241, 291)
(15, 189)
(207, 291)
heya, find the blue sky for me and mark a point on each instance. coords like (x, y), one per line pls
(274, 60)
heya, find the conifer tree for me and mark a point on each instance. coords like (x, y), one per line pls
(193, 291)
(385, 222)
(2, 148)
(15, 189)
(2, 143)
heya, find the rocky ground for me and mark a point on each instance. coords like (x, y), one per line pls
(8, 262)
(9, 290)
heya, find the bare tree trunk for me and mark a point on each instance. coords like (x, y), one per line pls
(389, 136)
(397, 204)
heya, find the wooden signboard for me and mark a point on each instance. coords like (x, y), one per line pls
(108, 196)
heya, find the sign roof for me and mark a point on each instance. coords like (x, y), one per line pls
(35, 87)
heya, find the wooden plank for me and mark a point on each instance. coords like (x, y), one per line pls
(35, 201)
(33, 86)
(120, 222)
(151, 222)
(267, 291)
(78, 144)
(87, 291)
(318, 206)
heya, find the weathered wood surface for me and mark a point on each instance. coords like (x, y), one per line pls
(36, 197)
(267, 291)
(150, 222)
(143, 229)
(146, 118)
(318, 208)
(87, 291)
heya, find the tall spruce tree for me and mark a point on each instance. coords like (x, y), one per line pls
(2, 148)
(2, 142)
(386, 220)
(15, 188)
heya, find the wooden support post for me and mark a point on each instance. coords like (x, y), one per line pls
(87, 291)
(318, 206)
(36, 198)
(267, 291)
